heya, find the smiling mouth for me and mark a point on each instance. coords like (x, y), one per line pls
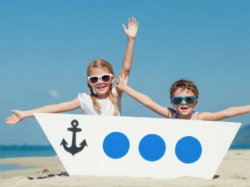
(100, 87)
(184, 108)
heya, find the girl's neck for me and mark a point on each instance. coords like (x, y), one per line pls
(103, 96)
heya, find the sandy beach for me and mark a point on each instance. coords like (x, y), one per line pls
(233, 171)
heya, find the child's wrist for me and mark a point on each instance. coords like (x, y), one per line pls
(26, 114)
(131, 39)
(125, 88)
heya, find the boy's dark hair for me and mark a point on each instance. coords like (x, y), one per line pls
(184, 84)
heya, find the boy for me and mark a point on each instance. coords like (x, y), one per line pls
(184, 98)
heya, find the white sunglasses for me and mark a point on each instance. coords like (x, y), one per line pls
(93, 80)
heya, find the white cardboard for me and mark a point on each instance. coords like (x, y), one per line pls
(215, 139)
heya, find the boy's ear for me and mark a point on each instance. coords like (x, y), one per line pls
(196, 102)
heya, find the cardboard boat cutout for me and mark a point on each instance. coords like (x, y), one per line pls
(137, 147)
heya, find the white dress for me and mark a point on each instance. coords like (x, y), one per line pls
(108, 108)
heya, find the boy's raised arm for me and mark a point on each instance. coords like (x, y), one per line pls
(227, 113)
(143, 99)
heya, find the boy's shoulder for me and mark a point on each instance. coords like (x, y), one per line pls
(206, 116)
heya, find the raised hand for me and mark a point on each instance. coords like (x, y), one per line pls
(15, 118)
(122, 82)
(132, 28)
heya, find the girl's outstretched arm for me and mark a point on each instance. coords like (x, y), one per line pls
(228, 113)
(127, 60)
(143, 99)
(61, 107)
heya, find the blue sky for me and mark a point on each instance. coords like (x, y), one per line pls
(45, 46)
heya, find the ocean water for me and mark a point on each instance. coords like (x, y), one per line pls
(233, 147)
(26, 151)
(46, 151)
(8, 167)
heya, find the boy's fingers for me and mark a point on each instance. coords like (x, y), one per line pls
(137, 24)
(128, 21)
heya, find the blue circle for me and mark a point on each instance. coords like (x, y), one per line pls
(188, 149)
(116, 145)
(152, 147)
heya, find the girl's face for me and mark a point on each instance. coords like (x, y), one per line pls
(185, 111)
(101, 88)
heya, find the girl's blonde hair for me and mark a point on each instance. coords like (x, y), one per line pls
(100, 63)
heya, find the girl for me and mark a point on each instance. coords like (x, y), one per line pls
(184, 98)
(103, 100)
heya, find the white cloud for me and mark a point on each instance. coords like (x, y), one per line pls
(53, 93)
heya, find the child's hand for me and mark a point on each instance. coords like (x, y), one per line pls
(122, 83)
(132, 28)
(15, 118)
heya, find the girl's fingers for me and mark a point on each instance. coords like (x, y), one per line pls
(137, 24)
(128, 22)
(134, 21)
(14, 121)
(124, 28)
(9, 118)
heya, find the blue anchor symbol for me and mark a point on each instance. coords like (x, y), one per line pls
(74, 149)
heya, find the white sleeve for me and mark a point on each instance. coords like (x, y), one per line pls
(114, 91)
(82, 98)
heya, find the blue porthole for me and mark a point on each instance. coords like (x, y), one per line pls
(188, 149)
(152, 147)
(116, 145)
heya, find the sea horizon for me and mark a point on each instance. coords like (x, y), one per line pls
(16, 151)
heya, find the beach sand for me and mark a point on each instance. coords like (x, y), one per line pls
(233, 171)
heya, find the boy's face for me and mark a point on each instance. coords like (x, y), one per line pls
(184, 109)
